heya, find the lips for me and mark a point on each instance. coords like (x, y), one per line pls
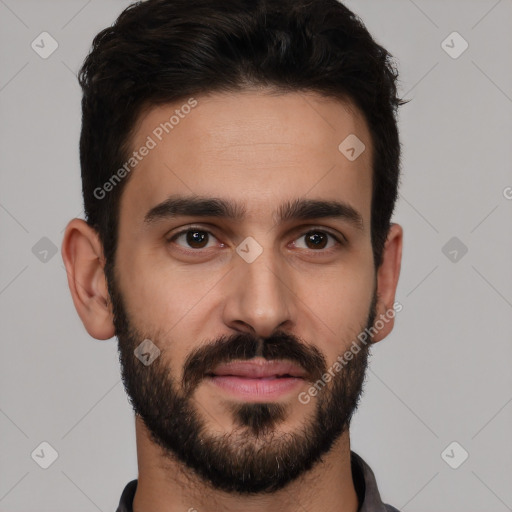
(259, 368)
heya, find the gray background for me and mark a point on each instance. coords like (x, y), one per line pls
(443, 375)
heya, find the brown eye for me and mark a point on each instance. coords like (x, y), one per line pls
(193, 238)
(196, 239)
(317, 240)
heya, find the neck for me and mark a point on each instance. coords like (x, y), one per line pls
(165, 485)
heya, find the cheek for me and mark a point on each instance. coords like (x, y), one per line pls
(170, 302)
(337, 305)
(163, 298)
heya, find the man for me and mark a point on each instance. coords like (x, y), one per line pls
(240, 163)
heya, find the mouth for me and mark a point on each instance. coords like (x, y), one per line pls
(259, 368)
(268, 377)
(257, 379)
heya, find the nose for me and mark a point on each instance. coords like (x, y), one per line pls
(259, 296)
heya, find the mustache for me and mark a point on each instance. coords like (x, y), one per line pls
(246, 346)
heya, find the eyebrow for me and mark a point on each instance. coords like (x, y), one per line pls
(298, 209)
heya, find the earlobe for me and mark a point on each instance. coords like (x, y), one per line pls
(387, 281)
(82, 253)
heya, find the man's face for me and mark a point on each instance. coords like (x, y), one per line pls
(264, 286)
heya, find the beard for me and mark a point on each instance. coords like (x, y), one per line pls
(255, 457)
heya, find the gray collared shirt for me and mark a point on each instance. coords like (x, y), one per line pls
(364, 483)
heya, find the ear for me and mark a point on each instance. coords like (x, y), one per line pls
(82, 253)
(387, 280)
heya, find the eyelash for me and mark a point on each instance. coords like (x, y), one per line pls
(314, 229)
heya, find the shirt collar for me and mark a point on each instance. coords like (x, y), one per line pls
(364, 482)
(366, 487)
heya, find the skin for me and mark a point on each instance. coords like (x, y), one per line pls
(261, 150)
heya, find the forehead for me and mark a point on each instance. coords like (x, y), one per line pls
(251, 147)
